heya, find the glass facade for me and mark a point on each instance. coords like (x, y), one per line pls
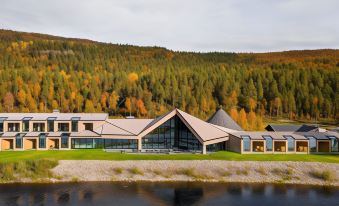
(120, 143)
(87, 143)
(246, 143)
(290, 143)
(25, 125)
(42, 141)
(1, 126)
(269, 143)
(18, 140)
(173, 134)
(334, 144)
(50, 125)
(64, 140)
(312, 143)
(216, 147)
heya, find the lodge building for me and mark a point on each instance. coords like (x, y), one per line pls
(175, 131)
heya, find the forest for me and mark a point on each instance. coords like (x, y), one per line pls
(39, 73)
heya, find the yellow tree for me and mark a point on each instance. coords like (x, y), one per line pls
(252, 103)
(21, 97)
(89, 107)
(8, 101)
(141, 107)
(113, 101)
(251, 119)
(132, 77)
(234, 114)
(128, 104)
(242, 119)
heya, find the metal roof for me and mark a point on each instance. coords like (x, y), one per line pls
(290, 128)
(58, 116)
(221, 118)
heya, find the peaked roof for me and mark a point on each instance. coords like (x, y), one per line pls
(204, 130)
(221, 118)
(134, 126)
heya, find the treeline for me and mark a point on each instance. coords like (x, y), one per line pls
(39, 73)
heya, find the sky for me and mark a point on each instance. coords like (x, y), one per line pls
(185, 25)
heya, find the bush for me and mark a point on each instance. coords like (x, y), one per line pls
(33, 169)
(118, 170)
(241, 172)
(285, 173)
(325, 175)
(136, 171)
(262, 171)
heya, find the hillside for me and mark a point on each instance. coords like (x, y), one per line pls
(40, 72)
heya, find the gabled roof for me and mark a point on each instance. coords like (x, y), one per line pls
(221, 118)
(204, 130)
(85, 133)
(291, 128)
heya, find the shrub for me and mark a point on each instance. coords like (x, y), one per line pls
(118, 170)
(285, 173)
(262, 171)
(241, 172)
(325, 175)
(136, 171)
(157, 172)
(226, 173)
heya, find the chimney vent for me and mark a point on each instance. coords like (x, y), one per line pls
(56, 111)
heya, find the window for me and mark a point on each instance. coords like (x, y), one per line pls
(269, 143)
(42, 141)
(120, 143)
(290, 142)
(216, 147)
(246, 143)
(88, 126)
(64, 140)
(50, 124)
(172, 134)
(1, 126)
(18, 140)
(312, 143)
(63, 127)
(334, 144)
(13, 127)
(38, 127)
(25, 124)
(75, 121)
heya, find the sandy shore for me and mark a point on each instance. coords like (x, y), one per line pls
(198, 170)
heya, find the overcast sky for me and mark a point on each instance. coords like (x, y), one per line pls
(188, 25)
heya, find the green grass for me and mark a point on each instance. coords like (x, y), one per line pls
(13, 156)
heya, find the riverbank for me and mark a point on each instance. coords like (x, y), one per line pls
(311, 173)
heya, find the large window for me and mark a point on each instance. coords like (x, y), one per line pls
(173, 134)
(246, 140)
(42, 141)
(334, 144)
(25, 124)
(64, 140)
(87, 143)
(1, 126)
(216, 147)
(121, 143)
(18, 140)
(38, 127)
(312, 143)
(290, 142)
(63, 127)
(269, 143)
(75, 123)
(50, 124)
(13, 127)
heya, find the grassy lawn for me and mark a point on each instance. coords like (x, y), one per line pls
(13, 156)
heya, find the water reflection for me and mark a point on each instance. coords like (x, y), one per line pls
(102, 194)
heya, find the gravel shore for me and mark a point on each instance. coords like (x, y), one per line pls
(198, 170)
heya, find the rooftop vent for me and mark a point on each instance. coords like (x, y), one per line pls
(130, 117)
(56, 111)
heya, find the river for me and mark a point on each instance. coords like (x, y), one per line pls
(184, 193)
